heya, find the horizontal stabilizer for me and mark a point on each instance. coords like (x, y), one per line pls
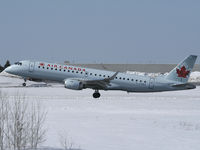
(187, 85)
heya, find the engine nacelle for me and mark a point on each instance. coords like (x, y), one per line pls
(73, 84)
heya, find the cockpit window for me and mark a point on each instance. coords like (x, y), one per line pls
(18, 63)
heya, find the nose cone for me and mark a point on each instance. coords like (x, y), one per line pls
(9, 70)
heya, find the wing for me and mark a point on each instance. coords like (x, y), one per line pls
(97, 84)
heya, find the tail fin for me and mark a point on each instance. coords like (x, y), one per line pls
(181, 72)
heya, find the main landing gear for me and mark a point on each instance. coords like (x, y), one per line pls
(24, 84)
(96, 94)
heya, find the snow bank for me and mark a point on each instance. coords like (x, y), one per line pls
(8, 80)
(194, 77)
(5, 74)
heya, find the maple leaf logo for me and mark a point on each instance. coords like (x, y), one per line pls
(182, 72)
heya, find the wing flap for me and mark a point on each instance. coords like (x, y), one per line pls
(97, 84)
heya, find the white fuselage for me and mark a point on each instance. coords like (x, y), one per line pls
(122, 81)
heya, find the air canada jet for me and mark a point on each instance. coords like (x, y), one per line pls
(78, 78)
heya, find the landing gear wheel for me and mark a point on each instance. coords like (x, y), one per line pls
(96, 94)
(24, 84)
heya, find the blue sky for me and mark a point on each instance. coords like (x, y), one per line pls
(104, 31)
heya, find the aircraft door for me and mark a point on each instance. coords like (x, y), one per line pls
(151, 83)
(86, 74)
(31, 66)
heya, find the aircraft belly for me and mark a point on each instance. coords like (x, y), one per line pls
(129, 87)
(48, 76)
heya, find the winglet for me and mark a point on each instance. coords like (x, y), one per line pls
(112, 77)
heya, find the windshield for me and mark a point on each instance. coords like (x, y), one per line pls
(18, 63)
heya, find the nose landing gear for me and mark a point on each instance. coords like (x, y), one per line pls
(96, 94)
(24, 84)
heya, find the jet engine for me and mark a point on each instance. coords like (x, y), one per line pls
(73, 84)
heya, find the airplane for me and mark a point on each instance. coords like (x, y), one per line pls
(78, 78)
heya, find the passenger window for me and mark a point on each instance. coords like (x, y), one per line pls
(115, 77)
(51, 68)
(43, 67)
(127, 78)
(104, 75)
(47, 67)
(95, 74)
(38, 66)
(140, 80)
(90, 73)
(72, 71)
(123, 78)
(76, 71)
(131, 79)
(108, 76)
(60, 69)
(81, 72)
(64, 70)
(100, 75)
(120, 78)
(68, 70)
(56, 69)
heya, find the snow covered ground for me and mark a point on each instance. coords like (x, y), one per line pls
(194, 77)
(116, 121)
